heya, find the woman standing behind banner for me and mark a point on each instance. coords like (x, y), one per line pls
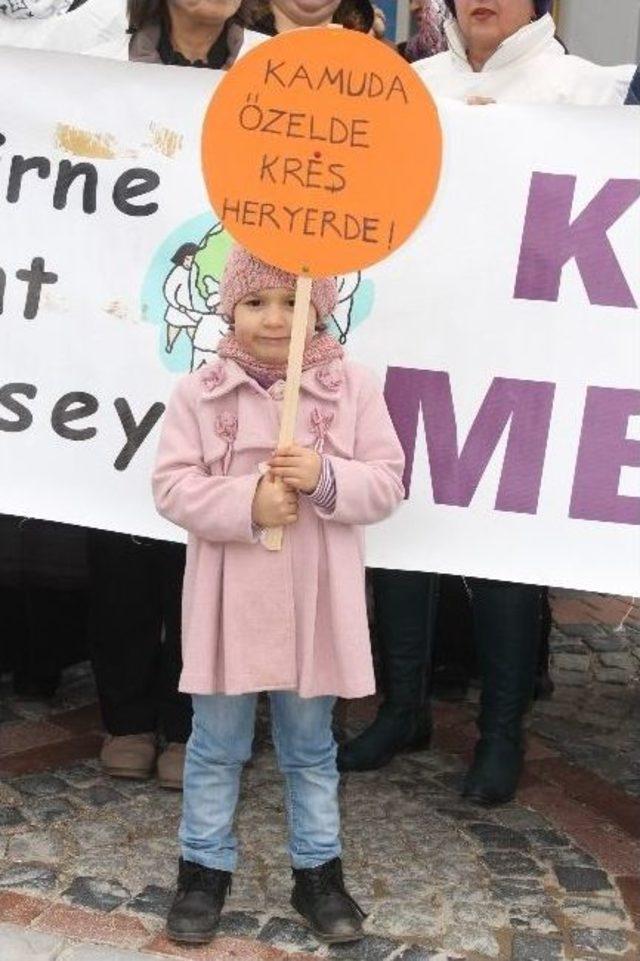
(499, 50)
(506, 50)
(136, 583)
(183, 33)
(277, 16)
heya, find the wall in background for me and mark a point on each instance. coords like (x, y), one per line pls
(390, 8)
(606, 31)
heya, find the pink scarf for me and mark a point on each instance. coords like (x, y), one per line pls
(321, 349)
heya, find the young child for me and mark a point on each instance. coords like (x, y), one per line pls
(292, 623)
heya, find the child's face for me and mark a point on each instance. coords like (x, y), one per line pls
(263, 324)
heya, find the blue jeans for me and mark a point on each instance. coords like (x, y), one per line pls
(219, 746)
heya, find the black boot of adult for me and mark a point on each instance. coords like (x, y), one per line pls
(405, 605)
(507, 624)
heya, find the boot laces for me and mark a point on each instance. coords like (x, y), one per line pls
(327, 879)
(195, 877)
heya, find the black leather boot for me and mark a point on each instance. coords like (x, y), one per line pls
(405, 606)
(195, 913)
(319, 895)
(507, 622)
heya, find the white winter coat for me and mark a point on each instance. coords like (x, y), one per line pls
(528, 67)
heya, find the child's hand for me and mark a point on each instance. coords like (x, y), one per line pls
(299, 467)
(274, 504)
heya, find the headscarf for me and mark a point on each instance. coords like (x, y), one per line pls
(431, 37)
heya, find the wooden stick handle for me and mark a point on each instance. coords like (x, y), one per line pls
(273, 538)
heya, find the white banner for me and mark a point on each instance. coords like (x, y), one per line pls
(506, 330)
(50, 25)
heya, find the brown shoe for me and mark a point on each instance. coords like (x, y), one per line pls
(171, 766)
(129, 755)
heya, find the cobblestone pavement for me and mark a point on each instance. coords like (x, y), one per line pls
(596, 637)
(87, 863)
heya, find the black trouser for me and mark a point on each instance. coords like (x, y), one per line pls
(456, 656)
(43, 600)
(136, 590)
(405, 604)
(506, 624)
(44, 630)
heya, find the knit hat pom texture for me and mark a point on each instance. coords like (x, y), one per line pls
(245, 274)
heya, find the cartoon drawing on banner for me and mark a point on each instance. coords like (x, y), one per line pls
(206, 273)
(40, 9)
(180, 314)
(181, 295)
(348, 287)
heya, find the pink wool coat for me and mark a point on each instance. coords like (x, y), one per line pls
(255, 620)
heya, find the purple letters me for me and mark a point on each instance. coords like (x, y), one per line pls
(604, 450)
(525, 408)
(524, 405)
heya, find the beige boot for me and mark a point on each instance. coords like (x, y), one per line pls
(129, 755)
(171, 766)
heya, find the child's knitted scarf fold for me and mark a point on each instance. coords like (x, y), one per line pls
(321, 349)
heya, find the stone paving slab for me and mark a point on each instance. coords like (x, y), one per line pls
(18, 944)
(99, 952)
(596, 637)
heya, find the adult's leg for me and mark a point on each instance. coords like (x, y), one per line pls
(454, 660)
(56, 628)
(125, 631)
(219, 746)
(53, 577)
(13, 625)
(507, 624)
(405, 608)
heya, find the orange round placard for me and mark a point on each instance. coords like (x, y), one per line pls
(321, 151)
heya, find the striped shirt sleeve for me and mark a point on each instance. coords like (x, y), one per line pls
(324, 496)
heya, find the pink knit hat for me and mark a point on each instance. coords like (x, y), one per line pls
(245, 274)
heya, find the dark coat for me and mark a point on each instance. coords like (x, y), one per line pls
(633, 97)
